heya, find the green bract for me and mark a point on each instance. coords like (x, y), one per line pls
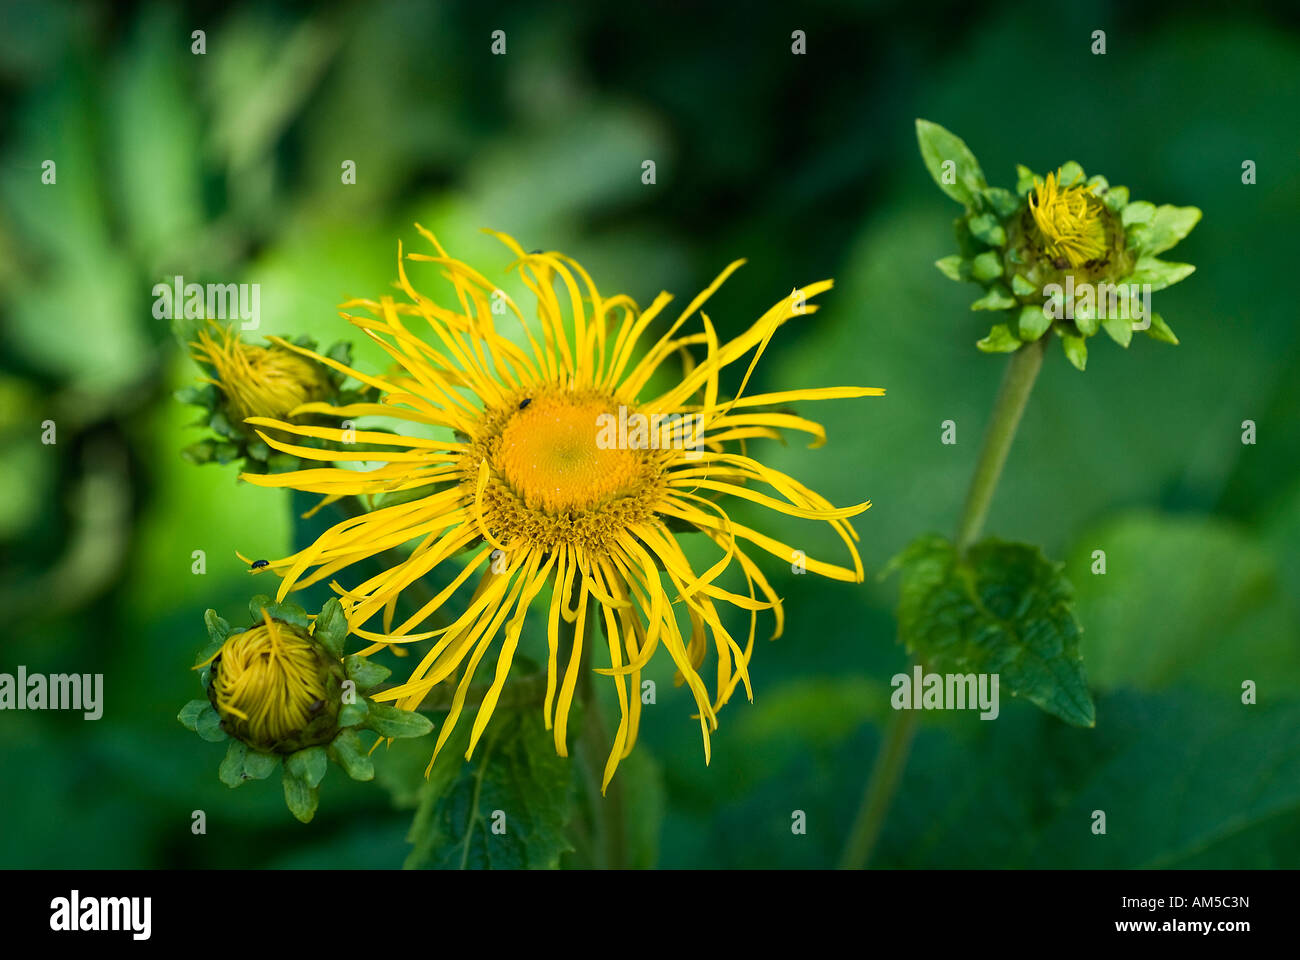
(333, 734)
(1002, 248)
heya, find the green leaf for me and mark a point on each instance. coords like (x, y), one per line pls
(1076, 351)
(331, 629)
(208, 725)
(1085, 318)
(999, 340)
(1158, 273)
(348, 753)
(300, 797)
(954, 267)
(365, 673)
(939, 148)
(393, 722)
(308, 765)
(996, 299)
(231, 771)
(1032, 322)
(1167, 226)
(508, 808)
(1003, 608)
(1186, 780)
(189, 715)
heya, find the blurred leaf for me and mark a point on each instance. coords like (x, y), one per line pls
(1190, 601)
(1182, 779)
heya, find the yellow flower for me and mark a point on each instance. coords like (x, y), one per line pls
(269, 684)
(557, 465)
(1070, 220)
(257, 381)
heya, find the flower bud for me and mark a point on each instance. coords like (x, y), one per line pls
(275, 688)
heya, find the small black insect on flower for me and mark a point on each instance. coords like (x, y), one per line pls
(525, 402)
(259, 564)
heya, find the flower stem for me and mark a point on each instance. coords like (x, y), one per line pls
(1017, 384)
(885, 775)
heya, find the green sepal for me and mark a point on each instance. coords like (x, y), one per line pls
(1159, 273)
(998, 298)
(348, 753)
(1032, 322)
(954, 267)
(208, 725)
(308, 765)
(364, 672)
(1167, 226)
(259, 765)
(1069, 174)
(999, 340)
(1025, 179)
(1003, 201)
(231, 771)
(987, 267)
(288, 612)
(198, 395)
(1159, 330)
(1022, 287)
(939, 146)
(218, 627)
(1120, 330)
(331, 627)
(393, 722)
(1076, 350)
(1137, 212)
(986, 229)
(189, 715)
(1086, 319)
(1116, 199)
(300, 797)
(354, 714)
(225, 453)
(204, 451)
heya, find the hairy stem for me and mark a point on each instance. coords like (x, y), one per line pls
(1013, 395)
(1017, 384)
(876, 800)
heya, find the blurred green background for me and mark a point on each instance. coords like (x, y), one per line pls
(226, 167)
